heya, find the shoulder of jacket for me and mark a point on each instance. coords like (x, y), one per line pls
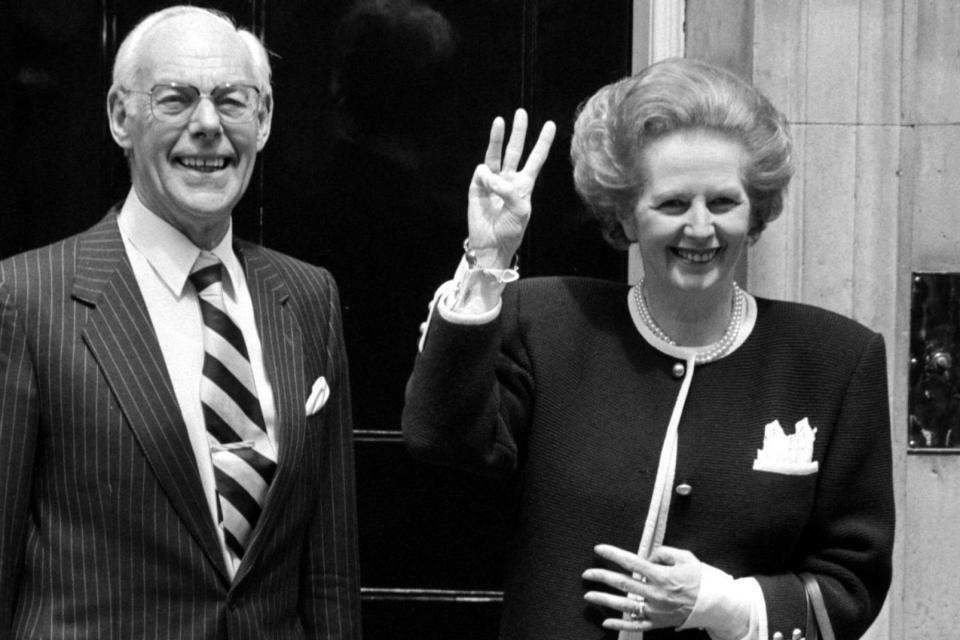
(36, 263)
(812, 323)
(292, 269)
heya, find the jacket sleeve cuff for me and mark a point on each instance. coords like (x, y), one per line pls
(443, 303)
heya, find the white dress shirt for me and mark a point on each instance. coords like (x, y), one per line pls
(161, 258)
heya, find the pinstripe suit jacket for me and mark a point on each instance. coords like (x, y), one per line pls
(104, 528)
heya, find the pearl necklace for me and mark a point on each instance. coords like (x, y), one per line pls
(716, 350)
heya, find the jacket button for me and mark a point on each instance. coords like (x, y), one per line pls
(679, 370)
(683, 489)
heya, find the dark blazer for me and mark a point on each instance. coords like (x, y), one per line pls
(562, 394)
(104, 528)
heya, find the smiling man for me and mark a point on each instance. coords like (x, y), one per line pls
(176, 456)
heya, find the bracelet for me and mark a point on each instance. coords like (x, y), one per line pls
(471, 256)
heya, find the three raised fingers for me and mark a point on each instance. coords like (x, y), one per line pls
(497, 159)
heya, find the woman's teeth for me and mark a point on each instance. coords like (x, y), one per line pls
(697, 255)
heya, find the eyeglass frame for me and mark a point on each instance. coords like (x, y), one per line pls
(187, 113)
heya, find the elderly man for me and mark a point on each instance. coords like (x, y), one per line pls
(175, 433)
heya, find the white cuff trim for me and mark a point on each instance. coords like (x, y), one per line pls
(443, 300)
(726, 609)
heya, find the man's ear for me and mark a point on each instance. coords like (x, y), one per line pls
(264, 119)
(119, 117)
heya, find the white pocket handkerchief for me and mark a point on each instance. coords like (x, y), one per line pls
(318, 396)
(787, 454)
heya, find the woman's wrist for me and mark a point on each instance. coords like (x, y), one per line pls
(478, 286)
(493, 258)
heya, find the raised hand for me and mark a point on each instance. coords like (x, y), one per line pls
(499, 198)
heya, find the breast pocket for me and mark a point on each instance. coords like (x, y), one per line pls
(317, 399)
(784, 503)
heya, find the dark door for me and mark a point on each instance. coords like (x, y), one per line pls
(382, 111)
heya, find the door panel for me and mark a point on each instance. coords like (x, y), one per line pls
(53, 122)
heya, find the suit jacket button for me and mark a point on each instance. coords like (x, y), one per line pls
(679, 370)
(683, 489)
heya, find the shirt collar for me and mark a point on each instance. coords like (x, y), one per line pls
(169, 252)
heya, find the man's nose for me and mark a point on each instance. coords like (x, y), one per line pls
(205, 120)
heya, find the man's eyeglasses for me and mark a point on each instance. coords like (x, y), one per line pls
(173, 102)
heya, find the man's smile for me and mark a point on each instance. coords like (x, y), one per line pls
(203, 164)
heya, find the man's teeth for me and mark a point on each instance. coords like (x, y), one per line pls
(204, 164)
(697, 256)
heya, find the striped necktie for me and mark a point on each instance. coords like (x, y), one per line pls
(244, 460)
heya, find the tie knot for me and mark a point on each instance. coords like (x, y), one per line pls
(207, 270)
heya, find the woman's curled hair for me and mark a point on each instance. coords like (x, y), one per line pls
(615, 126)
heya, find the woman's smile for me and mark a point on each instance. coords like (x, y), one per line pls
(696, 256)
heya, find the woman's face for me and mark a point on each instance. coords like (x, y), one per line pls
(693, 217)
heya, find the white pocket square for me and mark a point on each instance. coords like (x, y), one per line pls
(787, 468)
(318, 396)
(787, 454)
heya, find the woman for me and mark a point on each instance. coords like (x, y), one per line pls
(701, 446)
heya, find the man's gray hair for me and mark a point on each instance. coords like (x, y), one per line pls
(125, 64)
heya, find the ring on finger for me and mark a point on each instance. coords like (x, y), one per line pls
(637, 612)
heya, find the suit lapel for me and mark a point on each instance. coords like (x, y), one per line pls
(120, 335)
(282, 342)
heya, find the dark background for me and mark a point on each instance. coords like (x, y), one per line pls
(382, 112)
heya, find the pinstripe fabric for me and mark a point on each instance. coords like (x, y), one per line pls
(104, 529)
